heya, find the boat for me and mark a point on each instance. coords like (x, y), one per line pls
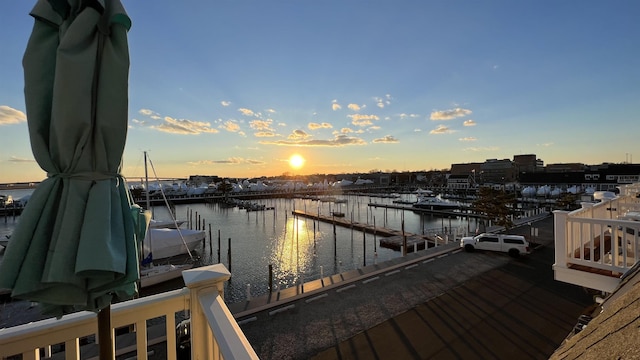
(164, 240)
(436, 203)
(169, 224)
(157, 274)
(165, 243)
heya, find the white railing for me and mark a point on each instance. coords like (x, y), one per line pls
(595, 245)
(214, 333)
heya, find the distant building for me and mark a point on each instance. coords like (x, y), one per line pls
(528, 163)
(498, 171)
(569, 167)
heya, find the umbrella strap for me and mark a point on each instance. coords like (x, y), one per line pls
(88, 176)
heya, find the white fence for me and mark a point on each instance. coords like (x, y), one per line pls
(214, 333)
(600, 239)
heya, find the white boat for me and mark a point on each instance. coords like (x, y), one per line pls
(436, 203)
(157, 274)
(164, 239)
(169, 224)
(164, 243)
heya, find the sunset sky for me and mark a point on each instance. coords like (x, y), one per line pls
(235, 88)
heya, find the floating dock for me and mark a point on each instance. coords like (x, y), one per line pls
(391, 239)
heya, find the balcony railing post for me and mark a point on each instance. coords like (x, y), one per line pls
(203, 280)
(560, 236)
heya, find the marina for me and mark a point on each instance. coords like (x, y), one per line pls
(297, 248)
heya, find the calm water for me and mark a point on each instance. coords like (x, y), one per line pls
(299, 249)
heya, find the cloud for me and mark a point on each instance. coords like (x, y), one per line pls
(230, 126)
(545, 144)
(346, 130)
(225, 103)
(150, 113)
(403, 116)
(338, 141)
(184, 127)
(362, 120)
(335, 106)
(354, 107)
(261, 124)
(315, 126)
(469, 123)
(264, 134)
(271, 111)
(10, 116)
(482, 149)
(468, 138)
(228, 161)
(389, 139)
(246, 112)
(382, 102)
(449, 114)
(298, 135)
(441, 129)
(21, 160)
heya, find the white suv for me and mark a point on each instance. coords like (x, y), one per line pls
(514, 245)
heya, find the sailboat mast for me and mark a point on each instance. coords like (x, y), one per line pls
(146, 183)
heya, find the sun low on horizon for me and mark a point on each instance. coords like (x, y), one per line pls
(296, 161)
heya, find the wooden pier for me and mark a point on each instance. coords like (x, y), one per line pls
(392, 239)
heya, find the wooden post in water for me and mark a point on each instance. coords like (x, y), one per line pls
(219, 248)
(335, 241)
(364, 248)
(210, 237)
(404, 240)
(229, 254)
(375, 250)
(270, 277)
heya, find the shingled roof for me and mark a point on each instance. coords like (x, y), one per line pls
(613, 332)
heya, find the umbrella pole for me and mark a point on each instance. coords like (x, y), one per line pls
(105, 338)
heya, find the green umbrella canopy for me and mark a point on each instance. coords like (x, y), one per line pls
(75, 245)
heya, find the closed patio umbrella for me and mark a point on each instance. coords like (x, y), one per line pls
(75, 245)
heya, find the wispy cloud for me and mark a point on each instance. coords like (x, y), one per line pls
(264, 134)
(482, 149)
(230, 126)
(335, 106)
(441, 129)
(150, 114)
(21, 160)
(338, 141)
(10, 116)
(298, 135)
(184, 126)
(545, 144)
(354, 107)
(315, 126)
(468, 138)
(469, 123)
(404, 116)
(225, 103)
(363, 120)
(389, 139)
(228, 161)
(246, 112)
(449, 114)
(261, 124)
(382, 102)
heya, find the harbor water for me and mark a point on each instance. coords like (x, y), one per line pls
(297, 249)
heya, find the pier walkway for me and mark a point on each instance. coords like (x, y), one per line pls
(436, 303)
(391, 238)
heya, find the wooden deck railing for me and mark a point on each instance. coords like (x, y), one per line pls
(214, 333)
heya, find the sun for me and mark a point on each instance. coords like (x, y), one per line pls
(296, 161)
